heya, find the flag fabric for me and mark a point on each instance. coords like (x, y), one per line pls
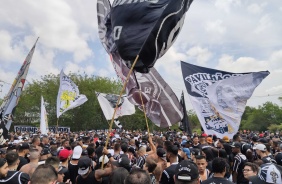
(218, 97)
(10, 102)
(161, 104)
(68, 95)
(146, 28)
(185, 122)
(108, 103)
(43, 118)
(117, 123)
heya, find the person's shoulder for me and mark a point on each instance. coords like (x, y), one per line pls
(215, 180)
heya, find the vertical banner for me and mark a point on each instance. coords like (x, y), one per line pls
(218, 97)
(43, 118)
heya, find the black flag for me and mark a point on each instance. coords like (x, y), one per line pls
(185, 122)
(146, 28)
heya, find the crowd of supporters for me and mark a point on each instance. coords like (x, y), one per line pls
(138, 157)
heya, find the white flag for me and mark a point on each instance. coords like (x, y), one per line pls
(108, 104)
(68, 96)
(43, 119)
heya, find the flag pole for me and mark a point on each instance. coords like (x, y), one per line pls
(113, 117)
(144, 110)
(57, 125)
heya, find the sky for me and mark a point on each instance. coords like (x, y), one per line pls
(230, 35)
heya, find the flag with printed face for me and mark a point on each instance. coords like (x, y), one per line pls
(219, 97)
(11, 100)
(68, 95)
(43, 118)
(161, 104)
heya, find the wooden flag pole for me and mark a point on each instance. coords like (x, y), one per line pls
(144, 110)
(113, 117)
(57, 125)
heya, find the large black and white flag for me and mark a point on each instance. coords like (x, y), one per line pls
(161, 104)
(108, 103)
(218, 97)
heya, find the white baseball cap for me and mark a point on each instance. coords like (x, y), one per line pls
(77, 152)
(260, 147)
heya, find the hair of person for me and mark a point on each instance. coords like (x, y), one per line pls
(253, 166)
(63, 142)
(236, 137)
(44, 174)
(138, 176)
(12, 157)
(195, 137)
(90, 151)
(159, 141)
(118, 176)
(200, 157)
(218, 165)
(34, 139)
(151, 164)
(172, 149)
(167, 143)
(34, 154)
(116, 146)
(124, 147)
(142, 150)
(267, 145)
(73, 145)
(53, 161)
(209, 154)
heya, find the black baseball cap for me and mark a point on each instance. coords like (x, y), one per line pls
(186, 171)
(161, 153)
(235, 145)
(123, 161)
(83, 165)
(62, 170)
(45, 151)
(23, 146)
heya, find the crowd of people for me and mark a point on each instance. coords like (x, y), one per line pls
(138, 157)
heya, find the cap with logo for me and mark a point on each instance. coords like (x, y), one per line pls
(123, 161)
(45, 151)
(186, 171)
(106, 159)
(84, 164)
(235, 145)
(269, 173)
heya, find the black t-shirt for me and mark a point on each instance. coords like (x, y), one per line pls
(23, 161)
(90, 179)
(15, 177)
(238, 165)
(167, 175)
(73, 171)
(268, 159)
(216, 180)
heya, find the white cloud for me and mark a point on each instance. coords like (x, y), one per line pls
(75, 68)
(215, 27)
(201, 55)
(256, 8)
(226, 5)
(264, 23)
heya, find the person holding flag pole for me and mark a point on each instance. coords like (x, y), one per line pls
(68, 96)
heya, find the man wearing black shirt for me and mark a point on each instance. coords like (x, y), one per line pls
(168, 173)
(219, 170)
(261, 152)
(23, 150)
(196, 143)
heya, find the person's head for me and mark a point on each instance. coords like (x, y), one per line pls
(23, 148)
(66, 143)
(195, 140)
(77, 151)
(124, 147)
(61, 173)
(236, 147)
(45, 140)
(219, 165)
(3, 168)
(186, 172)
(123, 161)
(45, 153)
(236, 138)
(201, 163)
(106, 161)
(64, 155)
(44, 174)
(84, 166)
(172, 152)
(117, 147)
(250, 169)
(141, 151)
(260, 150)
(132, 142)
(138, 176)
(53, 161)
(12, 158)
(34, 154)
(35, 141)
(268, 173)
(118, 176)
(150, 165)
(90, 151)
